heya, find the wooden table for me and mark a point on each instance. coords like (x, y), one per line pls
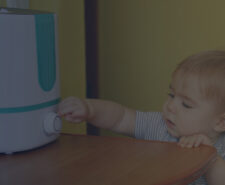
(98, 160)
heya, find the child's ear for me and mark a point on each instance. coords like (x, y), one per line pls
(220, 126)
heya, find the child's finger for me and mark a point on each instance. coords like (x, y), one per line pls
(206, 140)
(182, 141)
(198, 141)
(62, 105)
(190, 142)
(187, 141)
(65, 110)
(70, 118)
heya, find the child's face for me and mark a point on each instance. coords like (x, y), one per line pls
(186, 112)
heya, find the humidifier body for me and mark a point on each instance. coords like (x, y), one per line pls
(29, 79)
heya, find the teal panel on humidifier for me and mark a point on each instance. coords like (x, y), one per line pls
(45, 40)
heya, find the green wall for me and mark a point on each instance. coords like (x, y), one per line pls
(141, 42)
(71, 49)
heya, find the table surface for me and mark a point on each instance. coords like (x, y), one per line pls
(101, 160)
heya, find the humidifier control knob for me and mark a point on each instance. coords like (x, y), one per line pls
(52, 123)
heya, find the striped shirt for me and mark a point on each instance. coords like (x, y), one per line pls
(151, 126)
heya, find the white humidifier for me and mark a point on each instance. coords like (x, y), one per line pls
(29, 79)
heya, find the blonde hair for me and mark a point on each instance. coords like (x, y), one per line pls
(209, 68)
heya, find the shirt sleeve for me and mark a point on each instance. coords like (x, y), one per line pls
(149, 125)
(220, 145)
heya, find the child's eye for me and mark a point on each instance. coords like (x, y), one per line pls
(186, 106)
(171, 95)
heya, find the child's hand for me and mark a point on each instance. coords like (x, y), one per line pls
(194, 140)
(73, 109)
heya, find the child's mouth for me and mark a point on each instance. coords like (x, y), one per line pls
(169, 123)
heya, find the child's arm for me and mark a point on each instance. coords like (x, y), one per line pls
(100, 113)
(216, 174)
